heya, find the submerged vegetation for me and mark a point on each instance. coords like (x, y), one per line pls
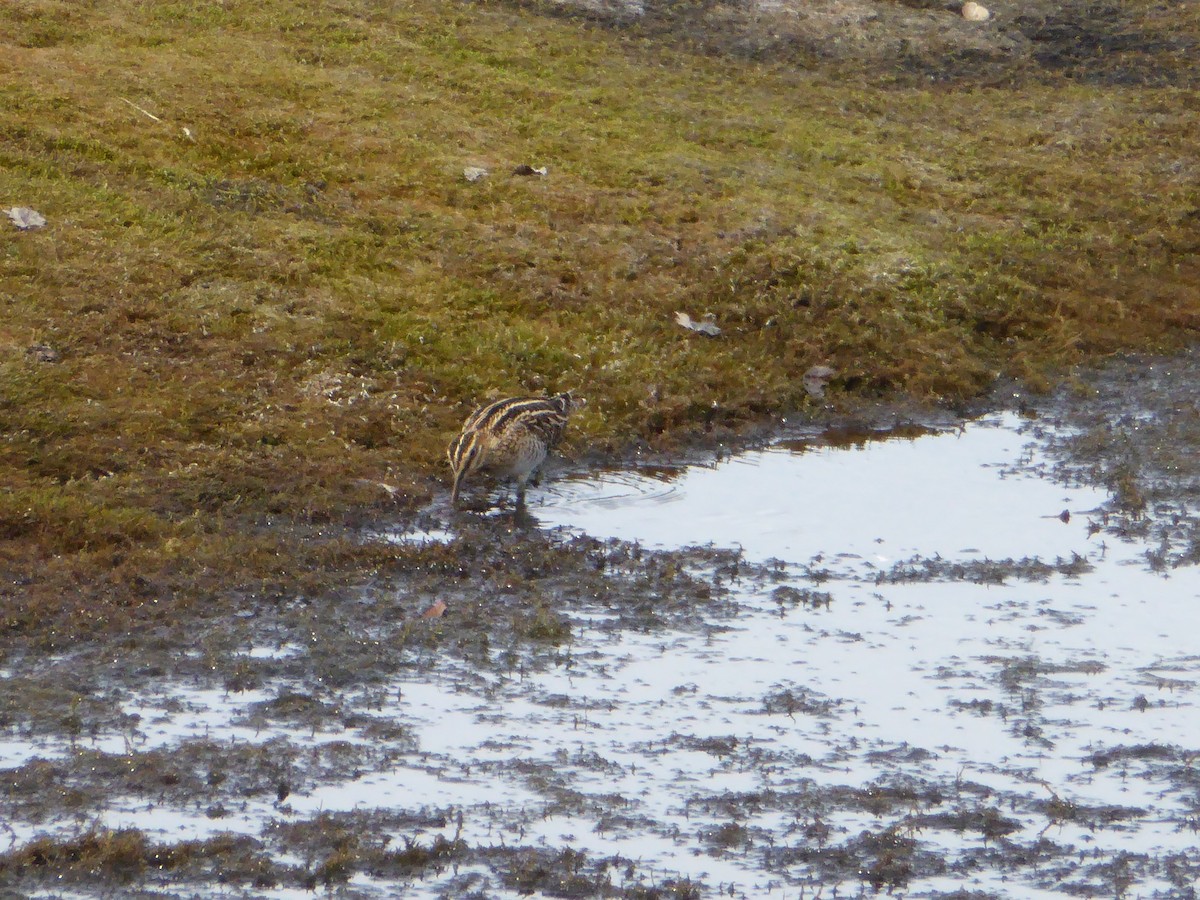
(266, 295)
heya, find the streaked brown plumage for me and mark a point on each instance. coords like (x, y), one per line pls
(510, 438)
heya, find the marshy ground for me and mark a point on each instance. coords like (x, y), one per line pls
(265, 297)
(967, 694)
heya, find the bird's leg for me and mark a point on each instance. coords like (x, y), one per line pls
(520, 493)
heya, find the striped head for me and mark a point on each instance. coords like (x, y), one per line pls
(466, 456)
(568, 403)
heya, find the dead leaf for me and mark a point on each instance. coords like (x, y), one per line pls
(392, 492)
(474, 173)
(435, 611)
(707, 326)
(816, 378)
(25, 218)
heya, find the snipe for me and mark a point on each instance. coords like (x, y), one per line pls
(510, 438)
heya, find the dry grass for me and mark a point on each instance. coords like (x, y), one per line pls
(271, 288)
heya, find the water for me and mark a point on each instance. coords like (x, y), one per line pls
(906, 668)
(959, 493)
(1058, 704)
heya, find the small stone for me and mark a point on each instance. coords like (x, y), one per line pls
(705, 326)
(474, 173)
(815, 380)
(975, 12)
(44, 353)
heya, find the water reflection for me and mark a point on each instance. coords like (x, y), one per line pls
(948, 493)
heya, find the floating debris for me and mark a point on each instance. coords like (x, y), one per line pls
(435, 611)
(705, 326)
(474, 173)
(25, 218)
(816, 378)
(530, 170)
(975, 12)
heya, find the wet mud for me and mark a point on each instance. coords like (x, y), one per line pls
(907, 655)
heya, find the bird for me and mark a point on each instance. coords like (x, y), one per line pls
(510, 438)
